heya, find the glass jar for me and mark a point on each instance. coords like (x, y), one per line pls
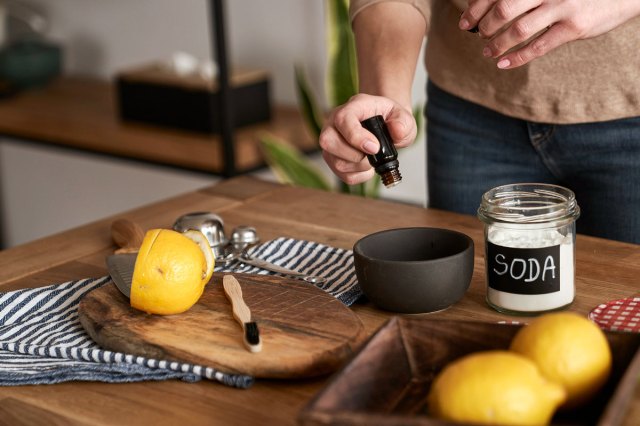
(529, 247)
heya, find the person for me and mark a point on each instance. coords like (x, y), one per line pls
(543, 91)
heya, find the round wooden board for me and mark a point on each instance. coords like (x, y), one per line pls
(305, 331)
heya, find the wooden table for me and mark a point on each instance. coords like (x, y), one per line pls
(605, 270)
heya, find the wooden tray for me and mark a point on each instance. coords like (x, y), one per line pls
(388, 380)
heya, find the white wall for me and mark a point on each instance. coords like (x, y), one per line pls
(101, 37)
(46, 190)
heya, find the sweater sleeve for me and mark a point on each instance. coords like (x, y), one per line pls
(423, 6)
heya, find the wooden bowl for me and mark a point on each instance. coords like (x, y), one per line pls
(387, 382)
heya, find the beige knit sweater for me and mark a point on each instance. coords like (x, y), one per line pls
(582, 81)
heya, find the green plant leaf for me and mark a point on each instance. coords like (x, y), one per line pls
(359, 189)
(290, 165)
(342, 72)
(373, 188)
(419, 117)
(307, 102)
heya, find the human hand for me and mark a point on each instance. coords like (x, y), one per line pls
(345, 143)
(542, 24)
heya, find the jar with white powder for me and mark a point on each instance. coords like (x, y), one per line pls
(529, 247)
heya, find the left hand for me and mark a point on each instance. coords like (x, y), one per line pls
(542, 24)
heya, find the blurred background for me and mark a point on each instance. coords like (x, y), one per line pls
(45, 188)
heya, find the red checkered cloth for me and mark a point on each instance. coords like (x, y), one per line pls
(618, 315)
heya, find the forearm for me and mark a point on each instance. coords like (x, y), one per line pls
(388, 37)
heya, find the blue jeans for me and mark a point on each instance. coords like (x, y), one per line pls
(471, 149)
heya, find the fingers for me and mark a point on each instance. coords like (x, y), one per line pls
(532, 27)
(491, 16)
(519, 31)
(557, 35)
(474, 13)
(402, 128)
(347, 128)
(351, 173)
(345, 120)
(333, 142)
(345, 143)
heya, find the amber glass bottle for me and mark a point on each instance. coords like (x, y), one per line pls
(385, 161)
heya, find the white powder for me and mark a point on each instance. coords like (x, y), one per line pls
(527, 238)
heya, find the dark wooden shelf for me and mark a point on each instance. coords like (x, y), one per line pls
(80, 113)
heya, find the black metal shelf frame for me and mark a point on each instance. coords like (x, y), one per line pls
(219, 52)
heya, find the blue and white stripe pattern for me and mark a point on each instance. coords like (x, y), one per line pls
(335, 264)
(43, 342)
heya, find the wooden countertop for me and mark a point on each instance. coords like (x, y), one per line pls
(606, 270)
(81, 113)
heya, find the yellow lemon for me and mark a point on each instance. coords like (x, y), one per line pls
(569, 349)
(494, 387)
(171, 271)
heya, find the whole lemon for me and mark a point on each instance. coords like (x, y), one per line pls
(494, 387)
(171, 271)
(569, 349)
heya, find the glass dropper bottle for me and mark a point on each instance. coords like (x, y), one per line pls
(385, 161)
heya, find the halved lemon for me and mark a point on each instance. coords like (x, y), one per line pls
(171, 271)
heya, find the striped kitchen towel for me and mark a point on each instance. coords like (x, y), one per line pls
(43, 342)
(334, 264)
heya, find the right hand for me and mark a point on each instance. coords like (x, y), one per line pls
(345, 143)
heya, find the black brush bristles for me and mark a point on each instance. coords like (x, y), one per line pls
(252, 336)
(242, 314)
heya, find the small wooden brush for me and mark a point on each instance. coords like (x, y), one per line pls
(242, 314)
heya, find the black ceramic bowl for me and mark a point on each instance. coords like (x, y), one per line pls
(414, 270)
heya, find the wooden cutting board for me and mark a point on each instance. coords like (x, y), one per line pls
(305, 331)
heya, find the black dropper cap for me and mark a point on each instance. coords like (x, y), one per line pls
(385, 161)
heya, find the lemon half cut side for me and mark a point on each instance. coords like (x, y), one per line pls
(202, 242)
(171, 271)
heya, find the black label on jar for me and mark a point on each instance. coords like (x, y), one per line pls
(523, 270)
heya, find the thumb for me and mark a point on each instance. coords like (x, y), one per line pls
(402, 127)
